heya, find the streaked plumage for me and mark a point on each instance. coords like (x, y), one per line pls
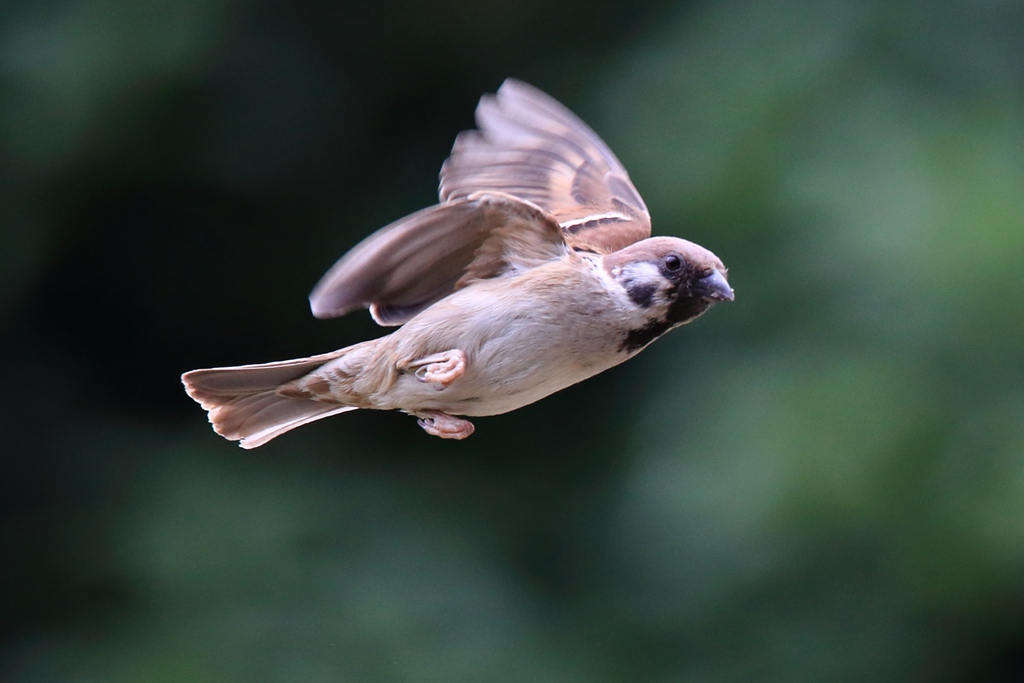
(536, 271)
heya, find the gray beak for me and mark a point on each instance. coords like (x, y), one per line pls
(716, 287)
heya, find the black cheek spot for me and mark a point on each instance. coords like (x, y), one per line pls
(642, 336)
(642, 295)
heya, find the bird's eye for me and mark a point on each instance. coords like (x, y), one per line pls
(673, 263)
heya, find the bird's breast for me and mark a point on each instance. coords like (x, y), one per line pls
(524, 337)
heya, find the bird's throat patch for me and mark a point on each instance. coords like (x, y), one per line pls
(640, 337)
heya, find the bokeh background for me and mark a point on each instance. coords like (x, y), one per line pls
(821, 481)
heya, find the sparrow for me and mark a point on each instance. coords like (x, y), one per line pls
(535, 271)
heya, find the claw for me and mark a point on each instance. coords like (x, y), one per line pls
(440, 369)
(444, 425)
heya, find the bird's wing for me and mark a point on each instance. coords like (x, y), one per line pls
(529, 146)
(408, 265)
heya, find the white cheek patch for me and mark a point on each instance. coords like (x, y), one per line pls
(644, 271)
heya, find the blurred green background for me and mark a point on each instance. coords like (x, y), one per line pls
(821, 481)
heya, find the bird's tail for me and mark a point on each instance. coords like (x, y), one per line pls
(244, 404)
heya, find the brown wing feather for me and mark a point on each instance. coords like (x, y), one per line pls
(530, 146)
(408, 265)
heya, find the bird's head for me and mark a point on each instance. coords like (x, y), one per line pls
(671, 278)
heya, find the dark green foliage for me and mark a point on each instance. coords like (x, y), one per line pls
(823, 480)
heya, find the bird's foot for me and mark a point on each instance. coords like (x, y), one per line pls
(440, 369)
(444, 425)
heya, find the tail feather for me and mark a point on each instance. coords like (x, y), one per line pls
(244, 405)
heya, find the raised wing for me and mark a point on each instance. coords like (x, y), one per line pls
(408, 265)
(529, 146)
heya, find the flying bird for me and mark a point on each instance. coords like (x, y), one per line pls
(535, 271)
